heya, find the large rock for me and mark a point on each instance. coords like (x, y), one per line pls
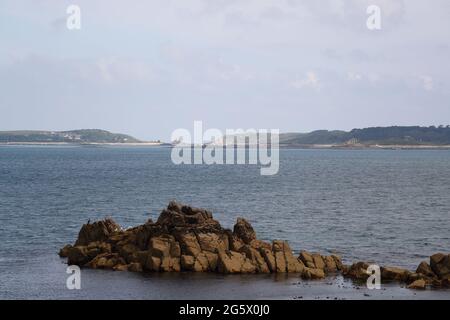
(394, 274)
(419, 284)
(440, 264)
(256, 258)
(185, 238)
(97, 231)
(77, 255)
(425, 269)
(212, 242)
(313, 273)
(269, 258)
(284, 258)
(234, 262)
(358, 271)
(244, 231)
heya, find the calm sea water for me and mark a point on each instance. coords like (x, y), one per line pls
(390, 206)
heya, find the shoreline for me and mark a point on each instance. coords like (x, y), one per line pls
(66, 144)
(162, 144)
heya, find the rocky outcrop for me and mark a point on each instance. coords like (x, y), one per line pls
(434, 274)
(185, 238)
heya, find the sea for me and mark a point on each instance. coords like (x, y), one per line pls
(390, 207)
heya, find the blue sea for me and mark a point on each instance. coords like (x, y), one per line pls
(387, 206)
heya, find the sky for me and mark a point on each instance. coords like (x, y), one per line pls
(147, 68)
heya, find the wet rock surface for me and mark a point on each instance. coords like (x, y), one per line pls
(185, 238)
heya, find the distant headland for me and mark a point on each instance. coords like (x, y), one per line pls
(82, 136)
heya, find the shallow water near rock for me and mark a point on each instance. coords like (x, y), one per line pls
(389, 206)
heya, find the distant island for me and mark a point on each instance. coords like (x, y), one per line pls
(380, 137)
(83, 136)
(411, 136)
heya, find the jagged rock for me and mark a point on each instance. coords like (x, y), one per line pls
(307, 259)
(418, 285)
(128, 252)
(425, 269)
(278, 251)
(269, 258)
(284, 259)
(234, 262)
(244, 231)
(330, 264)
(187, 262)
(189, 244)
(337, 261)
(440, 264)
(256, 258)
(358, 271)
(106, 261)
(318, 261)
(235, 243)
(64, 252)
(77, 255)
(185, 238)
(212, 242)
(313, 273)
(97, 231)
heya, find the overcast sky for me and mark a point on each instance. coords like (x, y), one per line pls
(149, 67)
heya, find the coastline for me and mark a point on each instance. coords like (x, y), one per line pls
(303, 146)
(65, 144)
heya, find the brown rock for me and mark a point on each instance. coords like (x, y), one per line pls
(64, 252)
(278, 251)
(212, 260)
(418, 285)
(358, 271)
(202, 259)
(160, 246)
(318, 261)
(330, 264)
(269, 258)
(120, 267)
(175, 264)
(313, 273)
(106, 261)
(425, 269)
(153, 263)
(337, 261)
(77, 255)
(189, 244)
(244, 231)
(128, 252)
(141, 257)
(187, 262)
(307, 259)
(235, 243)
(292, 264)
(212, 242)
(234, 262)
(394, 273)
(440, 264)
(135, 267)
(97, 231)
(256, 258)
